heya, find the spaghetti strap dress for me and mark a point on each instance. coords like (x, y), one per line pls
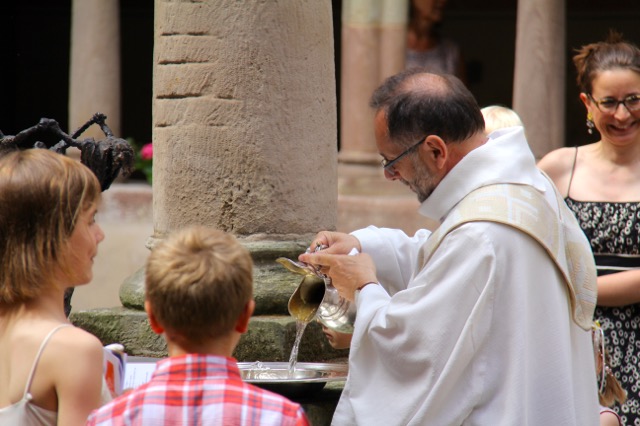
(24, 412)
(613, 230)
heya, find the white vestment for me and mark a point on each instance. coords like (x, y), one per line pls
(482, 334)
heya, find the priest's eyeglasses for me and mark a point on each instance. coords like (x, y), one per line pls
(388, 164)
(610, 105)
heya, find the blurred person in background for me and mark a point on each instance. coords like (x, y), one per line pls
(426, 47)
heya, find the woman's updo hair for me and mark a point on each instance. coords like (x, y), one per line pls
(614, 52)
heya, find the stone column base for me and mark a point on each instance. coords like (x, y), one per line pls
(269, 338)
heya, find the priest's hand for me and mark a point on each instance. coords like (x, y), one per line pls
(334, 243)
(348, 273)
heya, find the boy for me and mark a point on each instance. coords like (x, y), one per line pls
(199, 295)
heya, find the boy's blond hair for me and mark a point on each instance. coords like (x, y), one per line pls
(42, 194)
(198, 282)
(498, 117)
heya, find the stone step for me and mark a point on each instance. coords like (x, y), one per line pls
(269, 338)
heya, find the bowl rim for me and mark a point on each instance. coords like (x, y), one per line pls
(333, 371)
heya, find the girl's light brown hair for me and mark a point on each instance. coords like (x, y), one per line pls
(42, 194)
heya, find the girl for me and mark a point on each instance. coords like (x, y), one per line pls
(50, 371)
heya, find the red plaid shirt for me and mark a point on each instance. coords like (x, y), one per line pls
(198, 390)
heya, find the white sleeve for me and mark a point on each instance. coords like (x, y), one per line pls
(394, 254)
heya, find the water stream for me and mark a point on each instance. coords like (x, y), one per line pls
(293, 359)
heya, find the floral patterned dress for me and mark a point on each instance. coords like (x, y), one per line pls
(613, 229)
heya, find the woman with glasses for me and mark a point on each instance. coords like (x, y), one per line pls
(601, 185)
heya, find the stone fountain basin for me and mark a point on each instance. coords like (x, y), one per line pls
(307, 379)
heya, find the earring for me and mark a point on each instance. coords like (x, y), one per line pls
(590, 124)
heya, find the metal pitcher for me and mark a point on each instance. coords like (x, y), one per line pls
(316, 297)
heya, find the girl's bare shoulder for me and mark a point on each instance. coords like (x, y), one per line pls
(75, 351)
(75, 339)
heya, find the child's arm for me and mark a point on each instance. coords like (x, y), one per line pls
(609, 418)
(78, 377)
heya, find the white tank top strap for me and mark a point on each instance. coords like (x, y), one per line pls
(35, 362)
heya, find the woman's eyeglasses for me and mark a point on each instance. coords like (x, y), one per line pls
(610, 105)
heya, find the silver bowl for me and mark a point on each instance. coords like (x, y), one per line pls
(307, 379)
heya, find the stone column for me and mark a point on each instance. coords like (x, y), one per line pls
(393, 37)
(539, 78)
(94, 75)
(244, 117)
(244, 125)
(373, 48)
(244, 134)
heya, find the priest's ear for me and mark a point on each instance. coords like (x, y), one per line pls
(437, 149)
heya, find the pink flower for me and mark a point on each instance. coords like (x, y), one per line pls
(147, 152)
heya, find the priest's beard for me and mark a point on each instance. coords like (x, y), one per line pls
(423, 182)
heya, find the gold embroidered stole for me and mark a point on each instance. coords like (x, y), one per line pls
(524, 208)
